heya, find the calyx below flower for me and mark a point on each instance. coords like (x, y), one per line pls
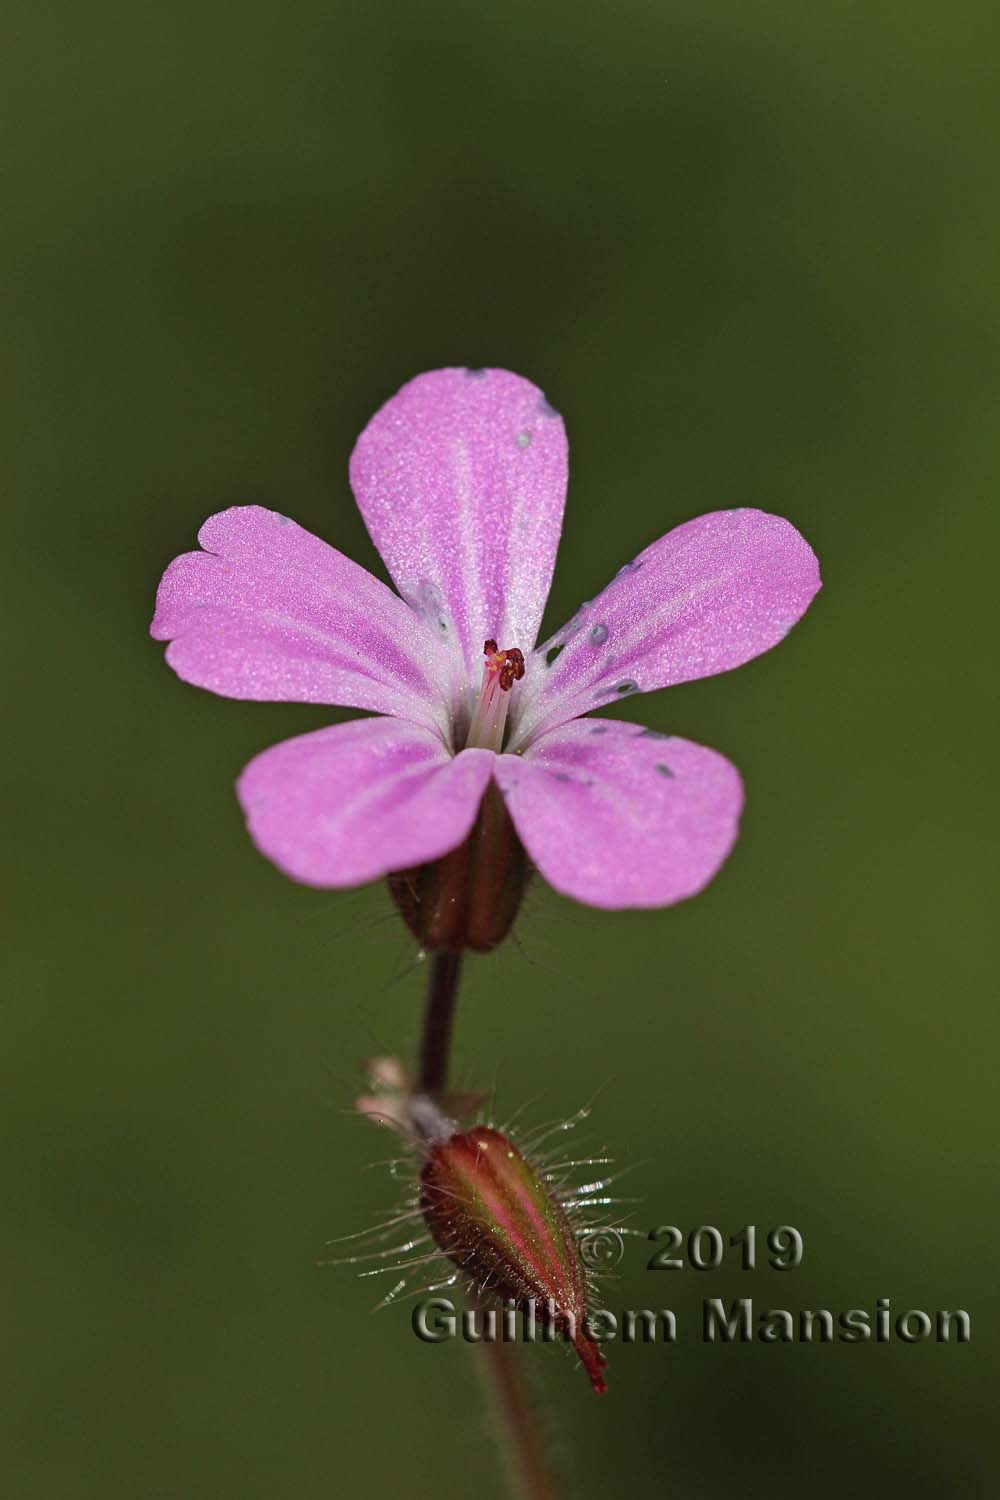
(470, 897)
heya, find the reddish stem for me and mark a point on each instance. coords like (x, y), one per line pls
(435, 1045)
(519, 1437)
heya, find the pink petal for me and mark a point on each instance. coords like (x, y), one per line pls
(705, 598)
(347, 804)
(461, 480)
(268, 611)
(618, 816)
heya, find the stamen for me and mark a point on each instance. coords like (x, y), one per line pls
(500, 672)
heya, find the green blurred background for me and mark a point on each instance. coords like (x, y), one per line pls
(750, 252)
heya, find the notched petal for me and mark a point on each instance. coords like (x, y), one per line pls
(270, 612)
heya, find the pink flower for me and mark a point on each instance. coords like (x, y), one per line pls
(461, 480)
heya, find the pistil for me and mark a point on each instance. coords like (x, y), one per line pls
(501, 670)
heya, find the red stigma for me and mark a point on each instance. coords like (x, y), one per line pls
(508, 664)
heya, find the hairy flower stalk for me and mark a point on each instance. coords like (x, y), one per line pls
(504, 1218)
(493, 1215)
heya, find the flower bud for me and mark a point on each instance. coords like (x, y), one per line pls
(494, 1215)
(470, 897)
